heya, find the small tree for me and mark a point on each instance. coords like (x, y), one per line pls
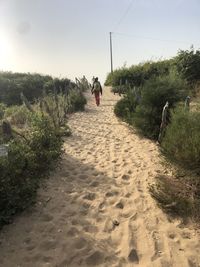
(188, 65)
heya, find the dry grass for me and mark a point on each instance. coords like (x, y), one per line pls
(178, 195)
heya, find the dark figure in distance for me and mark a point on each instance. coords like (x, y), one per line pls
(97, 90)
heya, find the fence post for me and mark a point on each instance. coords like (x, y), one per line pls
(187, 103)
(163, 122)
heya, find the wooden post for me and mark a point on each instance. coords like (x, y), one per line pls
(163, 122)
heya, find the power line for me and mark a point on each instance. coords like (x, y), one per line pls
(150, 38)
(123, 15)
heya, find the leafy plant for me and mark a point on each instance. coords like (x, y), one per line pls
(77, 101)
(182, 139)
(155, 93)
(188, 65)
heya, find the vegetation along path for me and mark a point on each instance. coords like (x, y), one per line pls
(96, 208)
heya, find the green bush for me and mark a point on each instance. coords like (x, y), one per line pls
(17, 184)
(155, 93)
(31, 85)
(35, 143)
(182, 139)
(45, 141)
(77, 101)
(2, 110)
(17, 115)
(120, 89)
(126, 106)
(29, 158)
(121, 108)
(188, 65)
(136, 75)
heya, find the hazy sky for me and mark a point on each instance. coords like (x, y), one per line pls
(70, 38)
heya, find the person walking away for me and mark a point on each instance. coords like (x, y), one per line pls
(97, 90)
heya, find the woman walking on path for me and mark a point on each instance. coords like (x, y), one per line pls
(97, 90)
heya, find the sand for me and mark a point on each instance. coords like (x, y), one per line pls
(95, 210)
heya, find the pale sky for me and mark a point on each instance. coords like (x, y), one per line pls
(70, 38)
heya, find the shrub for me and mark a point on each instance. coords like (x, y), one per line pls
(188, 65)
(182, 139)
(17, 115)
(31, 85)
(126, 106)
(33, 150)
(77, 101)
(136, 75)
(155, 93)
(2, 110)
(121, 108)
(121, 89)
(28, 159)
(17, 184)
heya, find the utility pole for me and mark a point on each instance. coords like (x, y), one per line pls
(111, 58)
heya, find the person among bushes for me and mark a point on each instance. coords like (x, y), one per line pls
(96, 90)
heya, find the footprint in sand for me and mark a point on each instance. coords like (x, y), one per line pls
(83, 176)
(119, 205)
(112, 193)
(125, 177)
(171, 235)
(84, 208)
(73, 231)
(96, 258)
(158, 245)
(48, 245)
(80, 243)
(102, 207)
(46, 218)
(90, 229)
(94, 184)
(90, 196)
(133, 256)
(128, 195)
(30, 247)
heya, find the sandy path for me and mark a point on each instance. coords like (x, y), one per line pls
(96, 209)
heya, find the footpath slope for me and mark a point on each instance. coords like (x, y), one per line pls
(96, 208)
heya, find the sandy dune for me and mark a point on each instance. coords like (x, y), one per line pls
(96, 209)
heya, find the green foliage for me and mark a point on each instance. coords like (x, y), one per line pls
(126, 106)
(35, 144)
(182, 139)
(121, 108)
(31, 85)
(56, 106)
(2, 110)
(17, 115)
(77, 101)
(17, 186)
(120, 89)
(155, 93)
(136, 75)
(188, 65)
(28, 159)
(44, 140)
